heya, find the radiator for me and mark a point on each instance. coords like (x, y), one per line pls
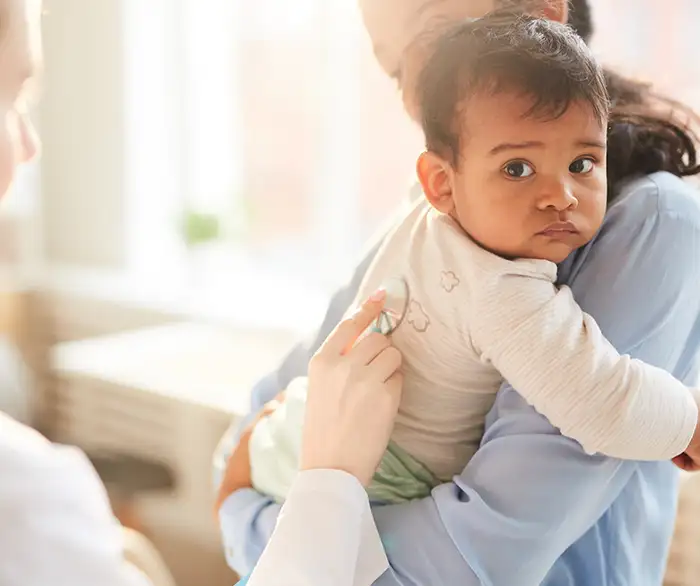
(166, 393)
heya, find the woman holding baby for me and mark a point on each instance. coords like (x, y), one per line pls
(531, 506)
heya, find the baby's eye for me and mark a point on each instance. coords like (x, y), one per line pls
(582, 166)
(518, 170)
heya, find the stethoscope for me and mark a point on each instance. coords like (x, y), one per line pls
(395, 306)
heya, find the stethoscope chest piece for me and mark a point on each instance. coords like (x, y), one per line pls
(395, 306)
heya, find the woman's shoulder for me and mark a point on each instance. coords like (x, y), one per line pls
(657, 196)
(653, 221)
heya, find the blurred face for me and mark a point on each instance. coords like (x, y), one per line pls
(399, 30)
(20, 58)
(523, 188)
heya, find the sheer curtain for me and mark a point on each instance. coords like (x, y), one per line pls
(652, 40)
(271, 115)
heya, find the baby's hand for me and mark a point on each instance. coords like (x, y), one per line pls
(690, 459)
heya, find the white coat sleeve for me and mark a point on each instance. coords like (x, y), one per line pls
(325, 534)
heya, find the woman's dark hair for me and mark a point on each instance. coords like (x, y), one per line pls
(541, 59)
(648, 132)
(581, 19)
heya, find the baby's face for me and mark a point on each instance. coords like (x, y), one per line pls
(526, 187)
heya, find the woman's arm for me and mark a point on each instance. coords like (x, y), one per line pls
(485, 525)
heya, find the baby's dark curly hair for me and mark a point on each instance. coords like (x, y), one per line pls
(503, 51)
(648, 131)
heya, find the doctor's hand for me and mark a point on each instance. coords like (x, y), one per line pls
(353, 397)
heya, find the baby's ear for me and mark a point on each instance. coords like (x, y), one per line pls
(436, 178)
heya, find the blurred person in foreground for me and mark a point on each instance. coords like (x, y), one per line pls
(56, 526)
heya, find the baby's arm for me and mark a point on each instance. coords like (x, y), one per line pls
(556, 356)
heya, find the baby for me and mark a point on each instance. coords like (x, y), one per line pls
(514, 112)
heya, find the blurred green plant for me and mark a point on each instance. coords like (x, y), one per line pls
(199, 228)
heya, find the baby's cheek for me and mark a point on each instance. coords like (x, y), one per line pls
(593, 209)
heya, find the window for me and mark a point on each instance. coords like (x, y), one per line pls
(264, 114)
(651, 40)
(271, 115)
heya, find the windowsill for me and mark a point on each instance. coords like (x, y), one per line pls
(248, 297)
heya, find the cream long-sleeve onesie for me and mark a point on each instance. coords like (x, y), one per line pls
(475, 319)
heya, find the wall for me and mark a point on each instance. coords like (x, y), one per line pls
(81, 119)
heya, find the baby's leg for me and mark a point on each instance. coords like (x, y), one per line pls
(275, 444)
(400, 478)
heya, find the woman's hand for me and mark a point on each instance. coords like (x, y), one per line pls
(353, 397)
